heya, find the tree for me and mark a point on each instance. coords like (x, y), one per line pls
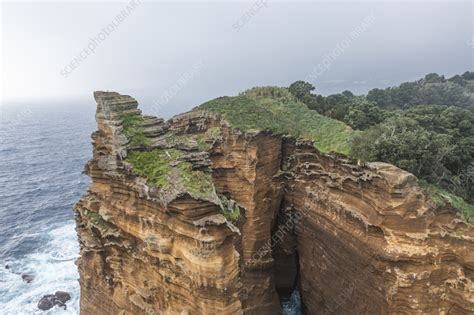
(458, 80)
(406, 95)
(433, 89)
(402, 142)
(433, 78)
(434, 142)
(447, 93)
(300, 89)
(468, 75)
(381, 97)
(362, 114)
(347, 93)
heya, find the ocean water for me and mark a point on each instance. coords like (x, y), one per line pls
(292, 306)
(43, 149)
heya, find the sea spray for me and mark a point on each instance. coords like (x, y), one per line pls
(53, 269)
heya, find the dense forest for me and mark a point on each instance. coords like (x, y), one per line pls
(425, 127)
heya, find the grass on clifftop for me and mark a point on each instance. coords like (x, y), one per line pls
(443, 198)
(273, 108)
(162, 168)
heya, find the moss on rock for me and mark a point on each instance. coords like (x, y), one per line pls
(162, 168)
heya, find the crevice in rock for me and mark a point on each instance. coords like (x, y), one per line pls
(286, 259)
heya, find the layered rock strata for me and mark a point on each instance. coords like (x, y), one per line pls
(189, 216)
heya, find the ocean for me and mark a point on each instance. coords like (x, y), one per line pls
(43, 149)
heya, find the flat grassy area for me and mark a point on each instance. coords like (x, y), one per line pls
(274, 109)
(442, 198)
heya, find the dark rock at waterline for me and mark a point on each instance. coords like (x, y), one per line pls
(27, 277)
(62, 296)
(7, 266)
(50, 300)
(47, 302)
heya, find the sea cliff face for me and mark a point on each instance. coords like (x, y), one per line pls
(190, 216)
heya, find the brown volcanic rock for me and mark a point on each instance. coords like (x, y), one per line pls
(370, 243)
(356, 239)
(147, 255)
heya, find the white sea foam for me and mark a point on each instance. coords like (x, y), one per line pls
(293, 305)
(53, 269)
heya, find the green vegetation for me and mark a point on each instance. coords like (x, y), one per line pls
(425, 127)
(154, 165)
(195, 182)
(162, 168)
(203, 140)
(200, 139)
(97, 220)
(133, 129)
(213, 132)
(268, 92)
(230, 210)
(361, 112)
(432, 89)
(443, 198)
(355, 111)
(435, 142)
(202, 144)
(300, 89)
(275, 109)
(165, 168)
(232, 216)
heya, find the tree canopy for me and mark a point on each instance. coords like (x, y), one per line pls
(300, 89)
(425, 127)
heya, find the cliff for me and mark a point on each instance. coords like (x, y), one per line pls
(197, 215)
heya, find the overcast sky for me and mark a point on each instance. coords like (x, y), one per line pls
(177, 55)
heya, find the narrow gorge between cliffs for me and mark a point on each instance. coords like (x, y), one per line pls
(194, 216)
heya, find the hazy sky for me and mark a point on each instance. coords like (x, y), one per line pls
(176, 55)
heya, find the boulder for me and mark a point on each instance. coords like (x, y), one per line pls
(27, 277)
(62, 296)
(50, 300)
(47, 302)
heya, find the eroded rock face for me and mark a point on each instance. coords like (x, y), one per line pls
(369, 241)
(355, 239)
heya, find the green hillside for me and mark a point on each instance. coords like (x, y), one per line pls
(275, 109)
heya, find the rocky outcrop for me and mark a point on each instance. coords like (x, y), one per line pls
(50, 300)
(189, 216)
(146, 250)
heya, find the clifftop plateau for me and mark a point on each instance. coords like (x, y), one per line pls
(228, 208)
